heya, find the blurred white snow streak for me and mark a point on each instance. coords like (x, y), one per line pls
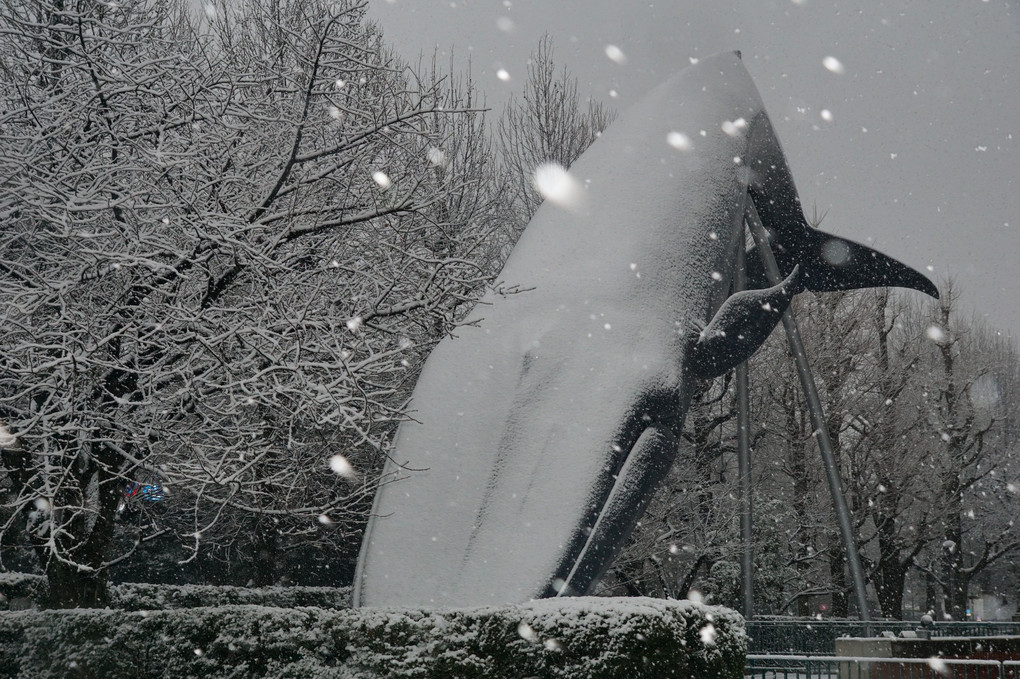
(437, 157)
(341, 467)
(708, 634)
(527, 632)
(938, 665)
(7, 439)
(679, 141)
(734, 127)
(556, 185)
(833, 64)
(936, 334)
(616, 54)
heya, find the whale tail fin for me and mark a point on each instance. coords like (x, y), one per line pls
(828, 263)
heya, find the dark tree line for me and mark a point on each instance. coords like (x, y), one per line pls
(921, 403)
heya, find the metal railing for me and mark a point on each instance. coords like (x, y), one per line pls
(817, 637)
(833, 667)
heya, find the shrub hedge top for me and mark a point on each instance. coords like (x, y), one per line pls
(137, 596)
(569, 638)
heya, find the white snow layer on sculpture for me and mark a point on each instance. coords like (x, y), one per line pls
(543, 425)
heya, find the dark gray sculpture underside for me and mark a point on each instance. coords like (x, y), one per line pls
(542, 428)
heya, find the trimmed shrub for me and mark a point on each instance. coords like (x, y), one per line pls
(16, 588)
(213, 643)
(136, 596)
(595, 638)
(568, 638)
(133, 596)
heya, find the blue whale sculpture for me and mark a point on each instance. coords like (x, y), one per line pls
(543, 426)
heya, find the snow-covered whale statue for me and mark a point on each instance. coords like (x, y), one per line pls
(543, 426)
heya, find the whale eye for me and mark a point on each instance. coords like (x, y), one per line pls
(836, 252)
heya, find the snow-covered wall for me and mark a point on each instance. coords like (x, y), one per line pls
(568, 638)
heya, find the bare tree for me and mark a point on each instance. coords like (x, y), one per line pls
(547, 124)
(226, 247)
(968, 449)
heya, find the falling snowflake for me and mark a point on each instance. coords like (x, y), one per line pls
(553, 645)
(557, 186)
(527, 632)
(382, 179)
(616, 54)
(708, 634)
(833, 64)
(679, 141)
(936, 334)
(734, 127)
(436, 156)
(341, 467)
(503, 75)
(7, 439)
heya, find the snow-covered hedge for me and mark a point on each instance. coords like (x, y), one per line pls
(585, 637)
(23, 586)
(568, 638)
(133, 596)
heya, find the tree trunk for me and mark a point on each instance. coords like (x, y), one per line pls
(265, 549)
(890, 585)
(801, 494)
(84, 582)
(837, 574)
(71, 587)
(955, 593)
(931, 593)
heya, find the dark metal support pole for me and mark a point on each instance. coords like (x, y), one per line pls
(744, 461)
(821, 431)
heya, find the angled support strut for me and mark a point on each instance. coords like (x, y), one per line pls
(821, 431)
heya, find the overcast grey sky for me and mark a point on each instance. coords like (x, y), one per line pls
(919, 152)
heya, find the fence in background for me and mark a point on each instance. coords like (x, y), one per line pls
(816, 637)
(832, 667)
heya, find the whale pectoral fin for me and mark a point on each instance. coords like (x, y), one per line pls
(831, 263)
(646, 465)
(742, 324)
